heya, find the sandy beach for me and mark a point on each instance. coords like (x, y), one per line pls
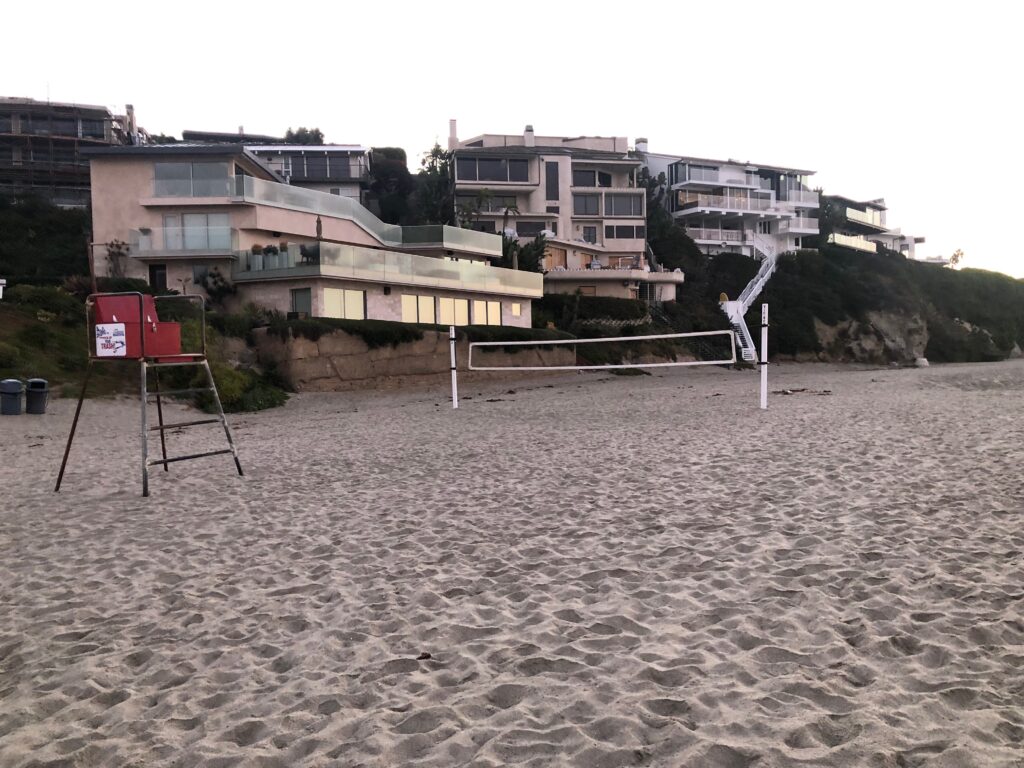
(588, 570)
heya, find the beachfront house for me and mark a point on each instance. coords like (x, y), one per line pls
(855, 225)
(190, 217)
(580, 192)
(732, 206)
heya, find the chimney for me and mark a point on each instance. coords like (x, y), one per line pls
(641, 145)
(453, 135)
(528, 138)
(133, 131)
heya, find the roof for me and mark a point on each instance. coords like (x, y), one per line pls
(758, 166)
(582, 154)
(178, 149)
(306, 148)
(16, 101)
(876, 204)
(218, 137)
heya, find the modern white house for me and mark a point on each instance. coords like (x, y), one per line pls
(855, 225)
(740, 207)
(580, 192)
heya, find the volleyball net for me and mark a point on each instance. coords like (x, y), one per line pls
(663, 350)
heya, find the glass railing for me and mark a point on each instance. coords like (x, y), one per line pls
(358, 263)
(690, 199)
(323, 203)
(799, 223)
(872, 218)
(185, 239)
(701, 174)
(801, 196)
(852, 241)
(718, 235)
(220, 187)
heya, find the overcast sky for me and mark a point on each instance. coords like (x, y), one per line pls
(917, 103)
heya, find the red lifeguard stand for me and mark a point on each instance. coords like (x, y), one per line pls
(125, 326)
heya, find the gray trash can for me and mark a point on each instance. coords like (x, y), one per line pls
(36, 394)
(10, 397)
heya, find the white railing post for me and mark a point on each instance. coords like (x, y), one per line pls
(764, 357)
(455, 375)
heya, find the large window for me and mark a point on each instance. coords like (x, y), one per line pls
(302, 300)
(191, 179)
(591, 179)
(550, 181)
(586, 205)
(486, 312)
(197, 232)
(453, 311)
(418, 309)
(590, 235)
(345, 303)
(492, 169)
(158, 277)
(529, 228)
(623, 232)
(623, 205)
(486, 203)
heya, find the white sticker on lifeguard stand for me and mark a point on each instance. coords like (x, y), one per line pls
(110, 340)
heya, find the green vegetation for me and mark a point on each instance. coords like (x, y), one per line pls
(42, 243)
(43, 334)
(566, 310)
(304, 136)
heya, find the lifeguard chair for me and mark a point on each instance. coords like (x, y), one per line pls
(125, 326)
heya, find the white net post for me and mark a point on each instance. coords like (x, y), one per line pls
(764, 357)
(455, 375)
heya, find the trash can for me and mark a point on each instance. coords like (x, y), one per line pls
(10, 397)
(36, 394)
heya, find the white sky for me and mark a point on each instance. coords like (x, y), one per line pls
(919, 103)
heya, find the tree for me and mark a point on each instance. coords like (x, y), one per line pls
(435, 188)
(956, 258)
(515, 255)
(672, 247)
(391, 184)
(304, 136)
(467, 212)
(160, 138)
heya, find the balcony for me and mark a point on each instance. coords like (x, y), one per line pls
(799, 225)
(715, 235)
(802, 197)
(868, 218)
(691, 202)
(258, 191)
(856, 242)
(183, 242)
(353, 262)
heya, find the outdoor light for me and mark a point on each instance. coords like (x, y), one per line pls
(2, 284)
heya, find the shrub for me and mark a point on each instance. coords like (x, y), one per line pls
(9, 355)
(375, 333)
(36, 336)
(240, 390)
(48, 299)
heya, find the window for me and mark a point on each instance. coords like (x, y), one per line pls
(191, 179)
(529, 228)
(340, 167)
(491, 169)
(588, 290)
(623, 232)
(453, 311)
(302, 300)
(199, 273)
(552, 209)
(92, 129)
(486, 312)
(197, 231)
(623, 205)
(344, 303)
(591, 179)
(590, 234)
(158, 277)
(316, 166)
(551, 182)
(418, 309)
(517, 309)
(485, 226)
(586, 205)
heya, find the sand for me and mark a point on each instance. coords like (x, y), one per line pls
(585, 571)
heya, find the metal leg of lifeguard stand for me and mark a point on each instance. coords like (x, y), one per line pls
(145, 432)
(160, 419)
(223, 419)
(74, 426)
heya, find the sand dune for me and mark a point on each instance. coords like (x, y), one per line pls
(591, 571)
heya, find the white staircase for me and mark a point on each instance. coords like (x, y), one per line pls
(735, 310)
